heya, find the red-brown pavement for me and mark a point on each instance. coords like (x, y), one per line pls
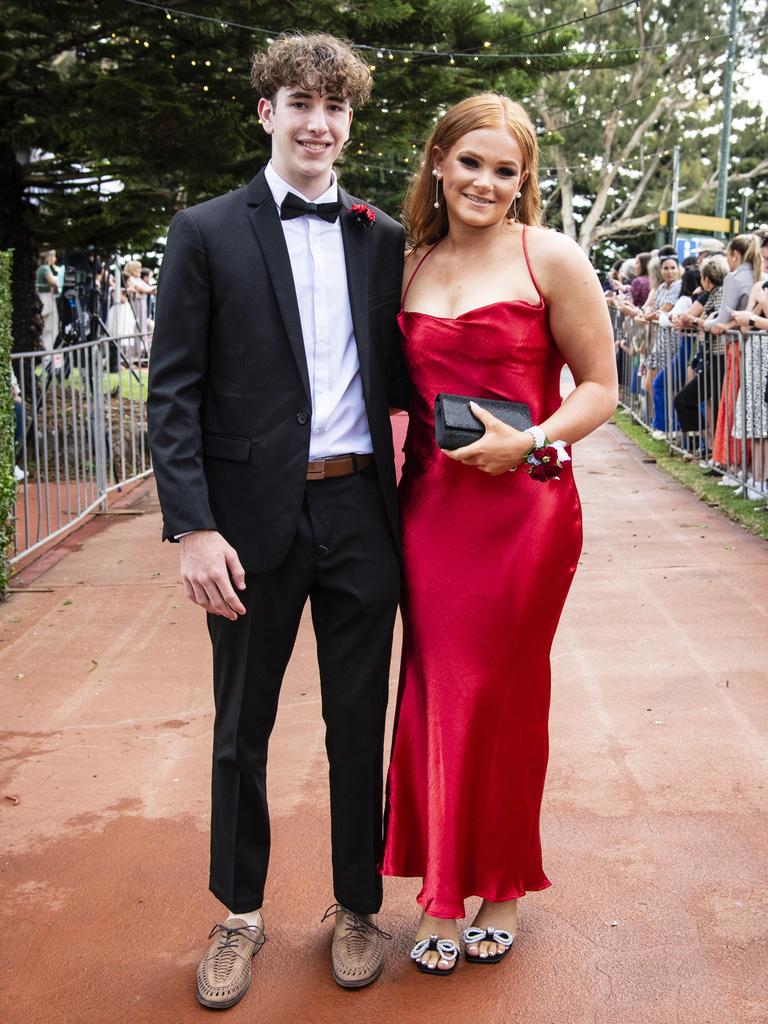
(654, 824)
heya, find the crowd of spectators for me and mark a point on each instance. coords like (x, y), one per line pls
(84, 298)
(687, 369)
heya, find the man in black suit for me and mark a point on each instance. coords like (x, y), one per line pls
(275, 360)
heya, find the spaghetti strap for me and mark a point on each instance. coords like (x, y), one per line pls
(418, 267)
(528, 264)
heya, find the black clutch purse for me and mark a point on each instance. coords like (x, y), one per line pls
(456, 427)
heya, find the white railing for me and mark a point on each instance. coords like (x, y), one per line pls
(81, 433)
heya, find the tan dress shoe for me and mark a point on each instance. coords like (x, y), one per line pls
(357, 948)
(224, 974)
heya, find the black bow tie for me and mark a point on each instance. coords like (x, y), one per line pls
(294, 206)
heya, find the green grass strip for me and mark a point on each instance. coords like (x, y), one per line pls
(752, 515)
(129, 386)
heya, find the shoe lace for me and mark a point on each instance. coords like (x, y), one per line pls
(356, 926)
(228, 938)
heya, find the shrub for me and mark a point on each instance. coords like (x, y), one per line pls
(7, 422)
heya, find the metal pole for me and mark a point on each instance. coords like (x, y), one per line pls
(744, 210)
(675, 195)
(725, 138)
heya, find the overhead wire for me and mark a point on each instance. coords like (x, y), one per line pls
(475, 53)
(486, 53)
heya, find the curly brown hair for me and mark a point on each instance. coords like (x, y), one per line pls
(315, 62)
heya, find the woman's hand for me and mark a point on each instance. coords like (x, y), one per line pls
(500, 449)
(741, 316)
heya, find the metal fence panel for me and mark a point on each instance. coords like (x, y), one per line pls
(706, 395)
(83, 433)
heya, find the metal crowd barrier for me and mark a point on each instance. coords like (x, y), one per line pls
(81, 433)
(707, 397)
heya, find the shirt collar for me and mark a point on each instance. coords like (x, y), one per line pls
(280, 188)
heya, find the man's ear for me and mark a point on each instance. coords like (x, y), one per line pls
(266, 115)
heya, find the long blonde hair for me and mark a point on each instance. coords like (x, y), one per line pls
(424, 224)
(748, 247)
(654, 272)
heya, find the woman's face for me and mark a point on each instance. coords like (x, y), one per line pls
(669, 271)
(638, 268)
(764, 257)
(481, 174)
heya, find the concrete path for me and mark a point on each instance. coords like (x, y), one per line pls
(654, 822)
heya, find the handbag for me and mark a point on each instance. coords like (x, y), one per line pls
(456, 426)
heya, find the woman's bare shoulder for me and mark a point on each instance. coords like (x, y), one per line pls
(551, 244)
(555, 257)
(412, 256)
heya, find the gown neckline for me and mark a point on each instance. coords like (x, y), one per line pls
(541, 304)
(478, 309)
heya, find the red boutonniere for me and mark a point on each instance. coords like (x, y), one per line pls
(362, 214)
(545, 463)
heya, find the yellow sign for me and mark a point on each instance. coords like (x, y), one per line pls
(699, 222)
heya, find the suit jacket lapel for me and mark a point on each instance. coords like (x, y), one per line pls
(355, 237)
(269, 232)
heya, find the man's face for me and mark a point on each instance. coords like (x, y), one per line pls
(308, 132)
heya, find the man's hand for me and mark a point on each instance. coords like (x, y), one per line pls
(209, 566)
(499, 450)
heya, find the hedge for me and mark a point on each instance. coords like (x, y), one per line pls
(7, 423)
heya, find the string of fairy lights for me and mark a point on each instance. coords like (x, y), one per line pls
(173, 14)
(390, 56)
(484, 51)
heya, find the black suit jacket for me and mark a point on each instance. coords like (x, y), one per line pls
(229, 400)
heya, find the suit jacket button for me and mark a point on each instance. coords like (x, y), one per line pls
(302, 417)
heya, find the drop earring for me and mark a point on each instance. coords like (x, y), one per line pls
(436, 203)
(514, 205)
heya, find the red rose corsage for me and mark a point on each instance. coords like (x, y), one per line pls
(545, 463)
(362, 214)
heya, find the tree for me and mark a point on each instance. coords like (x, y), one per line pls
(120, 113)
(608, 137)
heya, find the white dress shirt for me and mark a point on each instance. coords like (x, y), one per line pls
(316, 251)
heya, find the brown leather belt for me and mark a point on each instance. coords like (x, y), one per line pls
(337, 465)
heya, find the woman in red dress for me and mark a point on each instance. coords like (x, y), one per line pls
(493, 306)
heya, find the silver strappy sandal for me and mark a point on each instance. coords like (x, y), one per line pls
(474, 935)
(447, 948)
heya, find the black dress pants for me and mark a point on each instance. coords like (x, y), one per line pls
(343, 559)
(705, 387)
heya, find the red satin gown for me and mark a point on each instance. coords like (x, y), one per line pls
(488, 561)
